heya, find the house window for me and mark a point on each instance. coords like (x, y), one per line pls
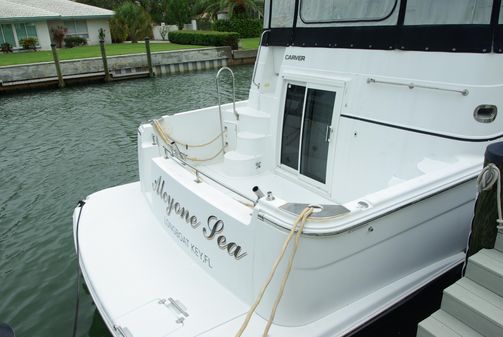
(7, 35)
(25, 30)
(76, 28)
(306, 130)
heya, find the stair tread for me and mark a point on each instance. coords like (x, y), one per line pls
(250, 135)
(441, 324)
(235, 155)
(248, 111)
(499, 242)
(490, 259)
(478, 298)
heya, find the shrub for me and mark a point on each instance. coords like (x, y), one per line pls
(246, 27)
(205, 38)
(137, 20)
(6, 48)
(75, 41)
(118, 30)
(29, 43)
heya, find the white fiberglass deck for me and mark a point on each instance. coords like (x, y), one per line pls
(281, 187)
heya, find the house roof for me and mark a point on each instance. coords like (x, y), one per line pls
(36, 10)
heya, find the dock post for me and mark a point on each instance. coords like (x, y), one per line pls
(61, 82)
(149, 57)
(105, 62)
(484, 230)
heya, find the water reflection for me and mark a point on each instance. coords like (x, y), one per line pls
(56, 147)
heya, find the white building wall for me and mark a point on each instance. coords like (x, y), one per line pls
(93, 26)
(43, 35)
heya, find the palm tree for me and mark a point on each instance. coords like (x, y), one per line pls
(233, 7)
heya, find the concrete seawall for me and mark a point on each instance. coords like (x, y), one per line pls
(168, 62)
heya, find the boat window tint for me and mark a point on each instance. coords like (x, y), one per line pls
(448, 12)
(292, 120)
(343, 10)
(316, 133)
(501, 14)
(282, 14)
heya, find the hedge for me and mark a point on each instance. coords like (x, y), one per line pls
(205, 38)
(75, 41)
(244, 26)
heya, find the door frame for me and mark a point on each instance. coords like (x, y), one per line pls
(310, 82)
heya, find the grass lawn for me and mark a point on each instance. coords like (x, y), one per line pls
(87, 51)
(249, 43)
(111, 49)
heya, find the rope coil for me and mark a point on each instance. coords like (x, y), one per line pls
(301, 219)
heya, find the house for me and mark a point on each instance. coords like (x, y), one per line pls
(20, 19)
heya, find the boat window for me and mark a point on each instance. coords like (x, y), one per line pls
(448, 12)
(308, 112)
(346, 11)
(282, 14)
(316, 133)
(501, 14)
(292, 120)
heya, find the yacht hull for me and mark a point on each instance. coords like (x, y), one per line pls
(132, 260)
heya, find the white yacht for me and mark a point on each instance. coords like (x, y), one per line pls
(375, 113)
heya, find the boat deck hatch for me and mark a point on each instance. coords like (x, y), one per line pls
(166, 315)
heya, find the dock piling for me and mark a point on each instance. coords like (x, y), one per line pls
(105, 62)
(484, 230)
(61, 82)
(149, 57)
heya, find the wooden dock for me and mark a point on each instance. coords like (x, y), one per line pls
(473, 306)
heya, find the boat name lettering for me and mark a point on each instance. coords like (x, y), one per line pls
(172, 205)
(214, 230)
(295, 57)
(205, 259)
(216, 226)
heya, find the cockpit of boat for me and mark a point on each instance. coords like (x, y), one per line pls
(351, 102)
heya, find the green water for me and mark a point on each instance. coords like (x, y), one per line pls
(56, 147)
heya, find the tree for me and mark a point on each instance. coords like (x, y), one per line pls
(177, 12)
(136, 19)
(234, 7)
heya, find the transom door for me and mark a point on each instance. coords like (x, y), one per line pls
(307, 130)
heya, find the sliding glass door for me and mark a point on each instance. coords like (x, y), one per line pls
(307, 129)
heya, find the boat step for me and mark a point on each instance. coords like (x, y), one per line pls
(250, 143)
(476, 306)
(253, 120)
(486, 268)
(441, 324)
(499, 242)
(237, 164)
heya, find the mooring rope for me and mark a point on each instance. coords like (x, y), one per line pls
(302, 219)
(167, 139)
(489, 176)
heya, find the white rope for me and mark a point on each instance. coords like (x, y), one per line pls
(489, 176)
(167, 140)
(302, 219)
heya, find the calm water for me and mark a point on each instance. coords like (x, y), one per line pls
(56, 147)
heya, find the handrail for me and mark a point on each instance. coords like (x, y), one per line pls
(197, 172)
(258, 58)
(220, 103)
(411, 85)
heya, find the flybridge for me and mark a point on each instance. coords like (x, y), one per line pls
(420, 25)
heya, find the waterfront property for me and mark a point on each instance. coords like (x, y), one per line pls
(20, 19)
